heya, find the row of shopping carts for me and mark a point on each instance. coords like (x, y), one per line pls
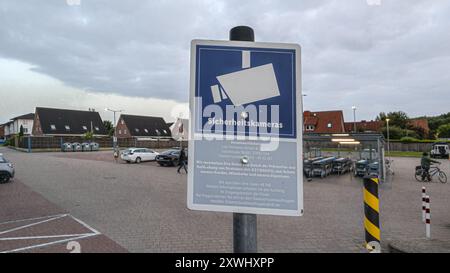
(324, 166)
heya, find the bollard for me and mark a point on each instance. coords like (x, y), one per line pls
(427, 217)
(423, 203)
(371, 210)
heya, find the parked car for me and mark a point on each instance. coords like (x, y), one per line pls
(76, 147)
(440, 150)
(86, 147)
(170, 157)
(138, 155)
(67, 147)
(6, 170)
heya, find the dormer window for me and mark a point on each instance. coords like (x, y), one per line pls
(53, 127)
(85, 128)
(309, 128)
(97, 129)
(146, 131)
(67, 127)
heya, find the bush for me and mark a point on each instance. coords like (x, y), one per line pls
(409, 139)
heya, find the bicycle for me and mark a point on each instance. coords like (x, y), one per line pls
(434, 170)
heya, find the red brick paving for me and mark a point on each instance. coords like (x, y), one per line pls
(27, 220)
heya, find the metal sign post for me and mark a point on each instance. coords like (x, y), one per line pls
(244, 224)
(245, 131)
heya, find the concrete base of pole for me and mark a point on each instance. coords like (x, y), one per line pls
(244, 233)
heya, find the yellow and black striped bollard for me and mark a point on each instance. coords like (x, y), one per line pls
(371, 210)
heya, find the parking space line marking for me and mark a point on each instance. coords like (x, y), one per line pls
(49, 244)
(85, 225)
(31, 219)
(73, 237)
(32, 224)
(44, 237)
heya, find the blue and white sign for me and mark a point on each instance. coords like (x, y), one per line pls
(245, 145)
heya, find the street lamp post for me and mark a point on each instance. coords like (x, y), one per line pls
(354, 118)
(389, 148)
(114, 125)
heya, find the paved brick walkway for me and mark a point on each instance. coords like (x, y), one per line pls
(143, 207)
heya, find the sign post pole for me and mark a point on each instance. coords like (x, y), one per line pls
(244, 224)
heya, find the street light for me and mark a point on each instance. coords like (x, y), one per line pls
(354, 118)
(387, 129)
(114, 125)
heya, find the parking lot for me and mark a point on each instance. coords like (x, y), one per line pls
(142, 207)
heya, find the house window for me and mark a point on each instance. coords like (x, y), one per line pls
(137, 130)
(97, 129)
(146, 131)
(67, 128)
(85, 128)
(329, 125)
(125, 131)
(165, 132)
(309, 127)
(123, 122)
(157, 132)
(53, 127)
(120, 132)
(25, 130)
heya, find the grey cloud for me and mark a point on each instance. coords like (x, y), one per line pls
(353, 53)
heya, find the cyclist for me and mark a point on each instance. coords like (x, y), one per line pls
(426, 163)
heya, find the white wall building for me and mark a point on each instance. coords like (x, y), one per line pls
(25, 121)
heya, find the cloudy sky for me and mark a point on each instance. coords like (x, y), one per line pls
(380, 55)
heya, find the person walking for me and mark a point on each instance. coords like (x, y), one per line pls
(182, 161)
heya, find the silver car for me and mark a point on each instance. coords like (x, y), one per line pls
(6, 170)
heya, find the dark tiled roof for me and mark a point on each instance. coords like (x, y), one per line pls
(26, 116)
(75, 120)
(144, 126)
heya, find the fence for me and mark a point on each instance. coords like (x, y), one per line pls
(31, 143)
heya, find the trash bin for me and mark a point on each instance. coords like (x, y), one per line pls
(76, 147)
(95, 146)
(66, 147)
(86, 147)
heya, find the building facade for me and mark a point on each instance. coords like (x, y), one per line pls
(132, 126)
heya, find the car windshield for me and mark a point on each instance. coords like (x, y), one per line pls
(3, 160)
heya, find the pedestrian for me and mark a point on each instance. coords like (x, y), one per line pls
(182, 161)
(116, 155)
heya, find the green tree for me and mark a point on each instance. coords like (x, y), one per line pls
(89, 136)
(444, 131)
(109, 127)
(21, 131)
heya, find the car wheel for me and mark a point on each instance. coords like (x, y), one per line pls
(128, 162)
(4, 178)
(138, 160)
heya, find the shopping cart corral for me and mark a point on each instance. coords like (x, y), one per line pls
(322, 167)
(342, 165)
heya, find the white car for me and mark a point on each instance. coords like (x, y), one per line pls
(138, 155)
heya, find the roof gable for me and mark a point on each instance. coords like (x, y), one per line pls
(69, 122)
(325, 121)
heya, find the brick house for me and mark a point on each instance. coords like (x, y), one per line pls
(129, 126)
(421, 123)
(63, 122)
(2, 131)
(364, 126)
(323, 122)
